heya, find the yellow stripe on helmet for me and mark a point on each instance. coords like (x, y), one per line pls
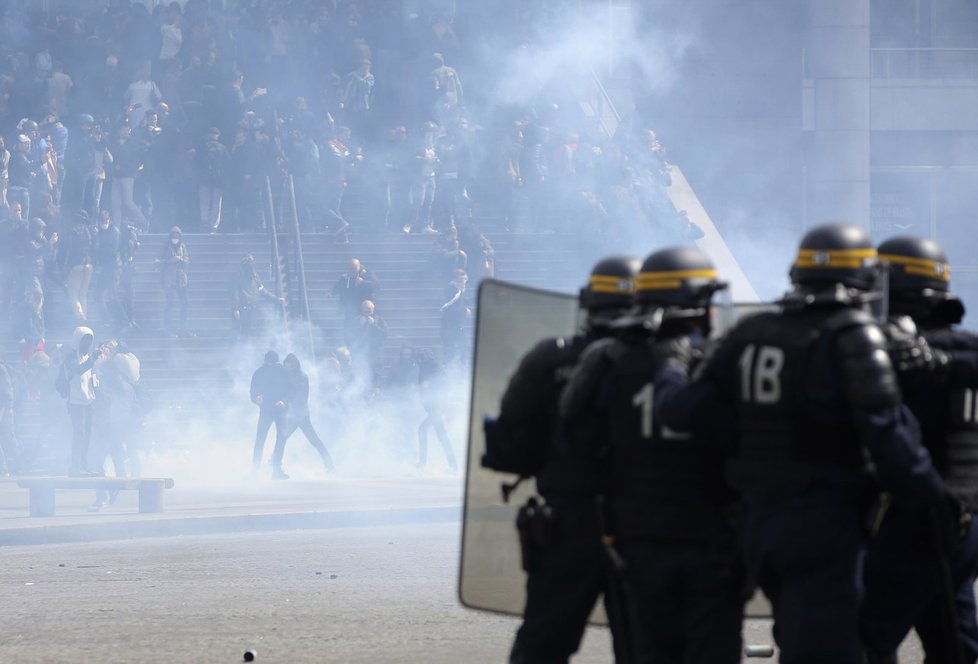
(833, 258)
(670, 279)
(920, 267)
(607, 284)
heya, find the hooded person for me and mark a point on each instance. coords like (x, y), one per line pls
(298, 413)
(270, 392)
(78, 372)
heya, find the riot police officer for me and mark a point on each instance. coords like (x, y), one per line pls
(669, 503)
(920, 573)
(814, 397)
(561, 546)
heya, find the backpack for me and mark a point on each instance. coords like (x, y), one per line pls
(61, 381)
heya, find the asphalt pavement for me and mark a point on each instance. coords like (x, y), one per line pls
(346, 569)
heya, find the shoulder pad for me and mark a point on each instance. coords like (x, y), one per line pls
(861, 338)
(867, 374)
(555, 350)
(846, 317)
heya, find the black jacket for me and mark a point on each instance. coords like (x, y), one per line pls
(271, 382)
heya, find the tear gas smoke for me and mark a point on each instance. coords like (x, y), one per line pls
(365, 436)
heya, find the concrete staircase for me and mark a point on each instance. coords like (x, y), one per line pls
(191, 376)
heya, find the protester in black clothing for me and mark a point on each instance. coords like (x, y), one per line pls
(80, 166)
(404, 371)
(352, 288)
(446, 254)
(247, 293)
(128, 156)
(481, 262)
(270, 392)
(431, 389)
(108, 269)
(175, 280)
(127, 255)
(367, 343)
(298, 413)
(212, 168)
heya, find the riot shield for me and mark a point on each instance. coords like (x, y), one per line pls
(510, 320)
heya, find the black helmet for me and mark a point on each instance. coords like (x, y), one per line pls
(611, 284)
(677, 277)
(833, 254)
(916, 264)
(919, 278)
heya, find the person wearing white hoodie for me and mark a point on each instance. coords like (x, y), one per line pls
(82, 383)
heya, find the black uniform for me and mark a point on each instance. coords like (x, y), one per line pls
(814, 393)
(563, 553)
(567, 574)
(903, 587)
(670, 506)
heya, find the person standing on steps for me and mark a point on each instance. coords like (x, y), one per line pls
(173, 273)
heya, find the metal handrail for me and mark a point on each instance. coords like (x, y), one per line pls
(300, 262)
(273, 240)
(606, 103)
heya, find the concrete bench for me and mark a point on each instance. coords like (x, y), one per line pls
(43, 489)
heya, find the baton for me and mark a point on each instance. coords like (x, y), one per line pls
(616, 592)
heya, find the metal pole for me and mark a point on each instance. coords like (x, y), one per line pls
(303, 292)
(273, 238)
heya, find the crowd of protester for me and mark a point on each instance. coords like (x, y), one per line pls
(117, 119)
(177, 116)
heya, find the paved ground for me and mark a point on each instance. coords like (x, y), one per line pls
(372, 594)
(284, 576)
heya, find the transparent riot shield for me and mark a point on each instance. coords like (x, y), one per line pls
(510, 320)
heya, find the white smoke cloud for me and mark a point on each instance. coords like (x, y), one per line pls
(365, 436)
